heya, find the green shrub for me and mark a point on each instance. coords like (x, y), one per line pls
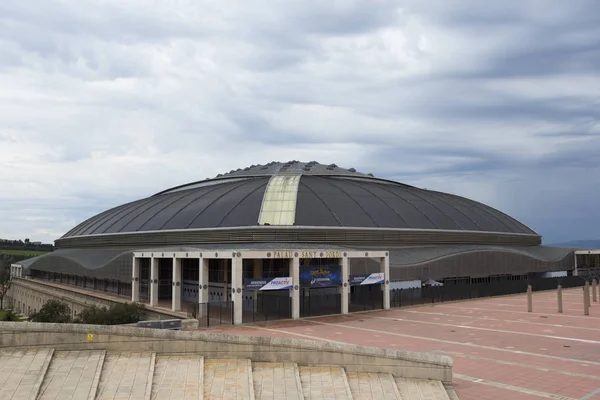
(10, 315)
(116, 314)
(53, 311)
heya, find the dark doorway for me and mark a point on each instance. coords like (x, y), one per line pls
(144, 279)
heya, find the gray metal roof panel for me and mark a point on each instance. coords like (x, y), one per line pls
(348, 199)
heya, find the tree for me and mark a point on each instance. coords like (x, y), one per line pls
(53, 311)
(4, 286)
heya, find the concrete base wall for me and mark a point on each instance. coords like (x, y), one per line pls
(304, 352)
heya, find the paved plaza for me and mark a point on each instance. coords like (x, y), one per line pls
(500, 350)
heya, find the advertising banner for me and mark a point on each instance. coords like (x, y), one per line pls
(280, 283)
(367, 279)
(324, 276)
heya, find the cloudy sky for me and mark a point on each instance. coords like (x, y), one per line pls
(103, 102)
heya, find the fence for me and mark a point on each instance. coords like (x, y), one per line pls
(210, 314)
(267, 306)
(464, 291)
(364, 298)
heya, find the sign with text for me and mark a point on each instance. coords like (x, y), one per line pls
(324, 276)
(367, 279)
(280, 283)
(306, 254)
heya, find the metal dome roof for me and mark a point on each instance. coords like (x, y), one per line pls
(316, 195)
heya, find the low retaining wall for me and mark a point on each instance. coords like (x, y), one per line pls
(212, 345)
(28, 295)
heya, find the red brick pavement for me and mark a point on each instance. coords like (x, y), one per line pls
(500, 350)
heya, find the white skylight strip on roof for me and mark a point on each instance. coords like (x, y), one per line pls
(279, 201)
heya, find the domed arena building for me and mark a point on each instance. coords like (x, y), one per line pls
(305, 237)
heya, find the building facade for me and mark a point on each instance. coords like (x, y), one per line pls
(213, 241)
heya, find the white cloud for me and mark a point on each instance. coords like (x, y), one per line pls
(104, 102)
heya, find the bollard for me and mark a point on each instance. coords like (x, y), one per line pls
(559, 297)
(594, 286)
(586, 298)
(529, 299)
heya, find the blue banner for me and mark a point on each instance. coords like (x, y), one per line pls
(324, 276)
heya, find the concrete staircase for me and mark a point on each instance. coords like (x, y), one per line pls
(44, 373)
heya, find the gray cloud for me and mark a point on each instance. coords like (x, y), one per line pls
(106, 102)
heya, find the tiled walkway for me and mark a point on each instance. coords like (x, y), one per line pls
(500, 350)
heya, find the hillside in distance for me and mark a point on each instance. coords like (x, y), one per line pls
(580, 244)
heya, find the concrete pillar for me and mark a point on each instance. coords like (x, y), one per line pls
(176, 285)
(135, 281)
(529, 299)
(385, 268)
(237, 287)
(154, 281)
(559, 299)
(345, 284)
(586, 298)
(226, 267)
(295, 274)
(203, 281)
(594, 286)
(575, 271)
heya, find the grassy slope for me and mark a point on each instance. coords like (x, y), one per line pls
(22, 252)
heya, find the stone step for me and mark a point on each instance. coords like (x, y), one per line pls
(126, 375)
(22, 372)
(274, 381)
(324, 383)
(178, 377)
(73, 375)
(229, 379)
(372, 386)
(421, 389)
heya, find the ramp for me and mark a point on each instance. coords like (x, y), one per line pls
(126, 375)
(73, 375)
(325, 383)
(178, 378)
(22, 372)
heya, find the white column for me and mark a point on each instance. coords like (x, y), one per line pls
(575, 272)
(176, 285)
(385, 268)
(203, 281)
(135, 280)
(154, 281)
(345, 284)
(295, 274)
(237, 287)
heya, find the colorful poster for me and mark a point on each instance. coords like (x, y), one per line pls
(280, 283)
(367, 279)
(324, 276)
